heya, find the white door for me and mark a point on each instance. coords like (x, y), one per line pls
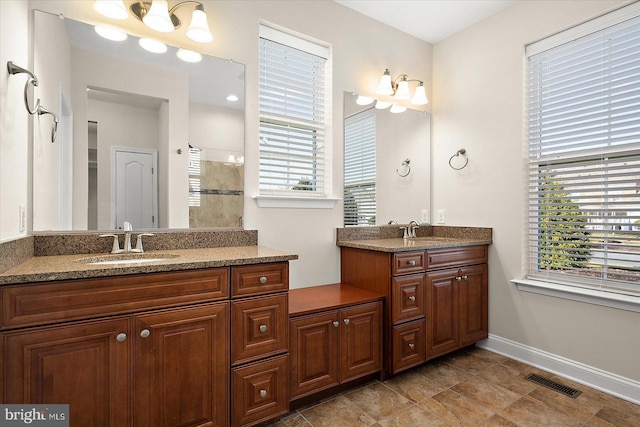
(134, 187)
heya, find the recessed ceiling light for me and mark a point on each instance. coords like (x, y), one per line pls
(188, 55)
(152, 45)
(232, 98)
(111, 33)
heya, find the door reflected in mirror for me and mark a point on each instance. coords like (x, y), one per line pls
(379, 184)
(124, 104)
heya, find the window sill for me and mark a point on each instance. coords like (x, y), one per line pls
(295, 202)
(589, 296)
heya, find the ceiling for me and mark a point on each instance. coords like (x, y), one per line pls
(429, 20)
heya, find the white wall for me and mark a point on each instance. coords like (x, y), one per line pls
(219, 130)
(14, 120)
(478, 105)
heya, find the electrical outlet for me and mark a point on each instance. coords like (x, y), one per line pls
(22, 219)
(441, 216)
(425, 217)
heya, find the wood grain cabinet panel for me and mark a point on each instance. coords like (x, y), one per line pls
(360, 340)
(408, 345)
(182, 367)
(85, 365)
(259, 279)
(473, 295)
(408, 262)
(407, 298)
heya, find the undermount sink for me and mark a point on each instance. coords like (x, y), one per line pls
(130, 258)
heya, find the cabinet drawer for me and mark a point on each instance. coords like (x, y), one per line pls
(37, 304)
(407, 297)
(408, 262)
(259, 391)
(259, 279)
(259, 328)
(408, 345)
(456, 257)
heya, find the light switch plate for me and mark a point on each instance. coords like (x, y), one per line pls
(22, 219)
(425, 217)
(441, 216)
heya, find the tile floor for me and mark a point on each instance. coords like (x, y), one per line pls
(472, 387)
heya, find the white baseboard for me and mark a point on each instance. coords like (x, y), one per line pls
(616, 385)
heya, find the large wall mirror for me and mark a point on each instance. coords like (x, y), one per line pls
(387, 159)
(143, 137)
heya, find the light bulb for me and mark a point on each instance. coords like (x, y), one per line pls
(232, 98)
(420, 96)
(364, 100)
(403, 89)
(188, 55)
(199, 31)
(111, 33)
(113, 9)
(381, 105)
(384, 88)
(395, 108)
(152, 45)
(157, 18)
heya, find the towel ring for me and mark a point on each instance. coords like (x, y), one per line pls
(54, 127)
(463, 152)
(14, 69)
(405, 164)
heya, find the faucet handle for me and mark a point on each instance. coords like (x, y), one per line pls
(115, 249)
(139, 247)
(126, 226)
(405, 232)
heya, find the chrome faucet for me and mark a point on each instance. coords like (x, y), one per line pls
(128, 228)
(413, 225)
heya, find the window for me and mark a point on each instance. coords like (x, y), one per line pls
(292, 115)
(194, 176)
(360, 169)
(584, 157)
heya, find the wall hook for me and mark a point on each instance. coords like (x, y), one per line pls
(405, 164)
(459, 152)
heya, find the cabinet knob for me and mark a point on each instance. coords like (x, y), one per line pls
(336, 323)
(263, 328)
(263, 280)
(412, 298)
(145, 333)
(263, 393)
(412, 262)
(465, 277)
(346, 321)
(458, 278)
(411, 345)
(121, 337)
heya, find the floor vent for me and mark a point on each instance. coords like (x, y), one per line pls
(560, 388)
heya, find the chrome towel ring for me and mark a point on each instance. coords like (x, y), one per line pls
(405, 164)
(462, 152)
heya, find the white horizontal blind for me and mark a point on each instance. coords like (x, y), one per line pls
(194, 176)
(360, 169)
(584, 160)
(292, 119)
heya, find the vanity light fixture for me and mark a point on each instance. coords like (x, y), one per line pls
(111, 33)
(364, 100)
(232, 98)
(399, 88)
(158, 16)
(114, 9)
(188, 55)
(395, 108)
(381, 105)
(152, 45)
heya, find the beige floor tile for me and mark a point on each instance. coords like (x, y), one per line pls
(442, 374)
(497, 421)
(294, 419)
(413, 416)
(414, 386)
(618, 418)
(582, 408)
(508, 378)
(527, 412)
(454, 409)
(486, 393)
(525, 369)
(337, 412)
(487, 355)
(378, 400)
(471, 364)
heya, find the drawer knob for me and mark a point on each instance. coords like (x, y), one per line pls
(411, 345)
(121, 337)
(465, 277)
(458, 278)
(263, 280)
(346, 321)
(263, 393)
(412, 262)
(336, 323)
(145, 333)
(412, 298)
(263, 328)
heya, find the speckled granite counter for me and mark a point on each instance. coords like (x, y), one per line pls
(62, 267)
(388, 238)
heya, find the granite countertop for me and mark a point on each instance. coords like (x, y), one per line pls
(418, 243)
(63, 267)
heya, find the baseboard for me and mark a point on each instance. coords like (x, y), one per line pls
(616, 385)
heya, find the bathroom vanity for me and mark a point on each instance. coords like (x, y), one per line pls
(435, 286)
(197, 339)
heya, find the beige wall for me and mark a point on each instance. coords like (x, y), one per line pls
(478, 105)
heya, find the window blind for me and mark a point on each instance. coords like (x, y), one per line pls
(292, 117)
(583, 100)
(360, 169)
(194, 176)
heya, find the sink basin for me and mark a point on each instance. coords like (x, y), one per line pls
(119, 259)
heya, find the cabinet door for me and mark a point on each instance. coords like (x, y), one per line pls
(182, 367)
(360, 340)
(85, 365)
(314, 353)
(408, 345)
(407, 298)
(442, 312)
(473, 304)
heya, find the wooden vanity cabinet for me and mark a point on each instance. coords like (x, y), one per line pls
(336, 337)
